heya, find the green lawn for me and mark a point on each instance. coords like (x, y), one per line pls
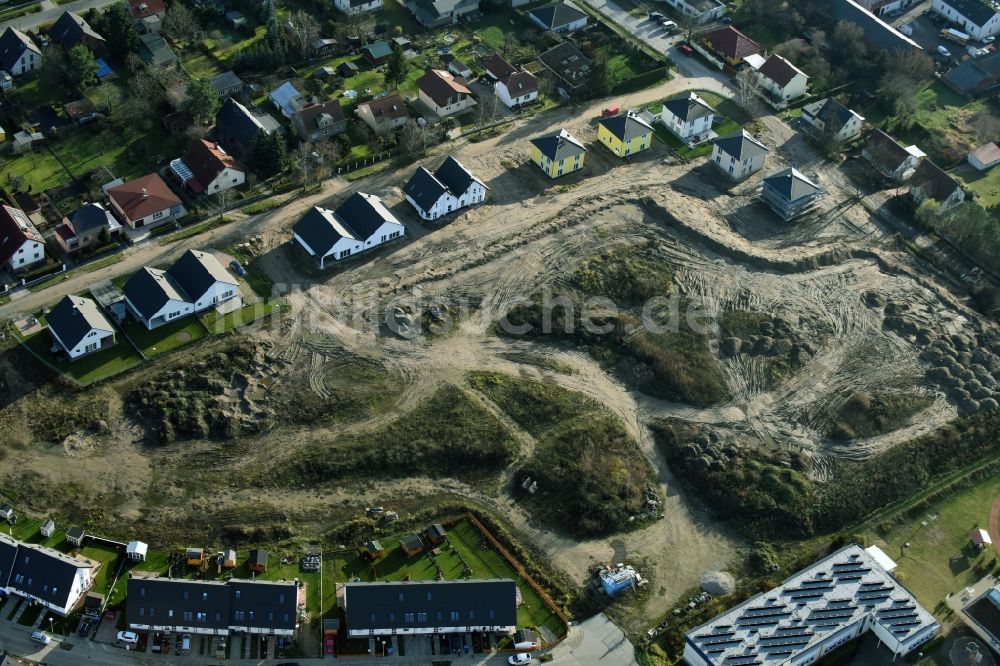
(167, 337)
(465, 547)
(88, 369)
(938, 560)
(734, 116)
(197, 64)
(107, 556)
(986, 184)
(248, 314)
(29, 530)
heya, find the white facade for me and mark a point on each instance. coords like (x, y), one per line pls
(795, 88)
(353, 9)
(737, 169)
(463, 103)
(345, 247)
(449, 203)
(172, 310)
(968, 25)
(227, 179)
(511, 101)
(849, 131)
(569, 27)
(27, 62)
(220, 292)
(30, 253)
(79, 585)
(703, 10)
(91, 342)
(683, 129)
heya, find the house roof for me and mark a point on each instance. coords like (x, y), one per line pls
(521, 83)
(741, 145)
(264, 604)
(437, 531)
(732, 43)
(12, 44)
(310, 114)
(411, 542)
(258, 556)
(626, 126)
(934, 181)
(8, 554)
(155, 51)
(689, 107)
(381, 605)
(559, 146)
(425, 188)
(780, 70)
(988, 153)
(791, 184)
(454, 64)
(975, 10)
(76, 532)
(379, 49)
(15, 230)
(456, 176)
(235, 123)
(974, 74)
(388, 108)
(224, 81)
(430, 11)
(888, 153)
(73, 318)
(138, 547)
(149, 289)
(70, 28)
(878, 35)
(347, 66)
(357, 218)
(558, 14)
(196, 271)
(207, 160)
(80, 108)
(568, 62)
(88, 217)
(153, 601)
(442, 86)
(47, 574)
(143, 196)
(143, 8)
(499, 68)
(832, 113)
(285, 97)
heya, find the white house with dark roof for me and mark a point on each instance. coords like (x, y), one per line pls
(18, 53)
(781, 79)
(449, 188)
(559, 17)
(829, 118)
(355, 7)
(789, 193)
(78, 327)
(361, 223)
(977, 18)
(689, 117)
(203, 280)
(53, 579)
(21, 246)
(154, 299)
(738, 154)
(932, 182)
(702, 11)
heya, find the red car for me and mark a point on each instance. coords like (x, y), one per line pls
(331, 644)
(686, 50)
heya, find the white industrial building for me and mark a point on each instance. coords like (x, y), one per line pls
(813, 612)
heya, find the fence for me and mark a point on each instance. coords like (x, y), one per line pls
(361, 164)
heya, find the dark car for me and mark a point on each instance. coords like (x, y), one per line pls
(656, 16)
(727, 19)
(238, 268)
(84, 628)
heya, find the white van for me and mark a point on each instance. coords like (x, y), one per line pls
(41, 637)
(186, 643)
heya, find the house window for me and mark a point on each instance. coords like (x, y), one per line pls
(238, 616)
(455, 615)
(142, 612)
(392, 616)
(204, 596)
(422, 618)
(188, 615)
(371, 618)
(409, 618)
(202, 617)
(91, 347)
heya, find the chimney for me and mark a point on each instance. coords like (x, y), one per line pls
(145, 193)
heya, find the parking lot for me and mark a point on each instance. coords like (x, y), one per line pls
(927, 33)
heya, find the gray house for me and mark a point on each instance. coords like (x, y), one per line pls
(438, 13)
(319, 121)
(789, 193)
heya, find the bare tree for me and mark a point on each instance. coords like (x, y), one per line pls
(110, 94)
(305, 163)
(302, 30)
(747, 92)
(986, 125)
(487, 110)
(180, 24)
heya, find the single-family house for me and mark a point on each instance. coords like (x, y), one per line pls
(439, 13)
(315, 122)
(71, 29)
(286, 99)
(789, 193)
(75, 535)
(194, 557)
(227, 558)
(781, 79)
(203, 280)
(931, 182)
(85, 227)
(374, 550)
(559, 17)
(78, 327)
(436, 534)
(21, 246)
(355, 7)
(377, 53)
(985, 157)
(702, 11)
(384, 114)
(18, 53)
(430, 607)
(977, 18)
(730, 45)
(361, 223)
(53, 579)
(257, 560)
(514, 87)
(891, 159)
(236, 127)
(831, 120)
(738, 154)
(558, 154)
(207, 168)
(497, 68)
(145, 201)
(201, 607)
(412, 545)
(456, 66)
(80, 111)
(226, 84)
(975, 77)
(625, 134)
(324, 46)
(136, 551)
(154, 50)
(569, 65)
(47, 529)
(147, 14)
(444, 93)
(7, 512)
(449, 188)
(236, 20)
(154, 299)
(689, 117)
(348, 68)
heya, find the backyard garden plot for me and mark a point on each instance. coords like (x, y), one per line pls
(729, 118)
(88, 369)
(164, 338)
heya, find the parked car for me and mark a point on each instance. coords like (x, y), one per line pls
(989, 39)
(519, 658)
(331, 644)
(128, 637)
(41, 637)
(944, 51)
(668, 25)
(237, 268)
(686, 50)
(656, 16)
(84, 628)
(727, 19)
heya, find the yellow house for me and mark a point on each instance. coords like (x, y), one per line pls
(558, 154)
(625, 134)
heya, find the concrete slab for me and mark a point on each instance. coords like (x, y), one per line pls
(596, 641)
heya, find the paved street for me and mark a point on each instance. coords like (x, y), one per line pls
(50, 12)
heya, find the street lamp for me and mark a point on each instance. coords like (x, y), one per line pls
(383, 647)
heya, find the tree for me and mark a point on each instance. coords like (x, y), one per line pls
(202, 102)
(986, 125)
(927, 213)
(111, 94)
(53, 66)
(305, 164)
(180, 24)
(413, 138)
(268, 154)
(122, 36)
(486, 110)
(302, 30)
(81, 66)
(599, 79)
(395, 68)
(747, 89)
